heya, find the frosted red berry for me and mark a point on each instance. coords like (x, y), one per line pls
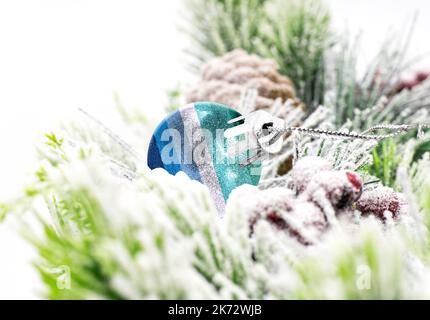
(381, 201)
(422, 75)
(341, 188)
(306, 168)
(286, 213)
(354, 179)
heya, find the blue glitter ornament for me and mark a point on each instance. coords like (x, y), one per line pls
(192, 140)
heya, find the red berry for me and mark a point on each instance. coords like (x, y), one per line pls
(341, 188)
(275, 219)
(307, 220)
(306, 168)
(354, 179)
(422, 75)
(379, 201)
(411, 83)
(286, 213)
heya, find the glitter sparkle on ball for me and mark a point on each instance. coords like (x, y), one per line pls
(192, 140)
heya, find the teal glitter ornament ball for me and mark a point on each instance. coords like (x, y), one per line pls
(192, 140)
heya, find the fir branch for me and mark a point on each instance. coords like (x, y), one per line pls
(361, 98)
(297, 38)
(386, 160)
(219, 26)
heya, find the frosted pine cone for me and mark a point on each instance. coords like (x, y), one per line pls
(225, 78)
(381, 201)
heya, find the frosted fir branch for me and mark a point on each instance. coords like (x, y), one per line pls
(86, 135)
(408, 107)
(343, 154)
(112, 220)
(347, 92)
(413, 177)
(294, 27)
(414, 214)
(113, 137)
(219, 26)
(358, 251)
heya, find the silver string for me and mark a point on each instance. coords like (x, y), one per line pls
(398, 129)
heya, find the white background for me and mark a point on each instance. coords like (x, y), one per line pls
(57, 55)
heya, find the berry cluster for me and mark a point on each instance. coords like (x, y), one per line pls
(319, 189)
(382, 202)
(316, 181)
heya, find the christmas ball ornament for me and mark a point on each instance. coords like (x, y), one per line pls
(381, 201)
(191, 140)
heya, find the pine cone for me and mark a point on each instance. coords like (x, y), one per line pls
(224, 79)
